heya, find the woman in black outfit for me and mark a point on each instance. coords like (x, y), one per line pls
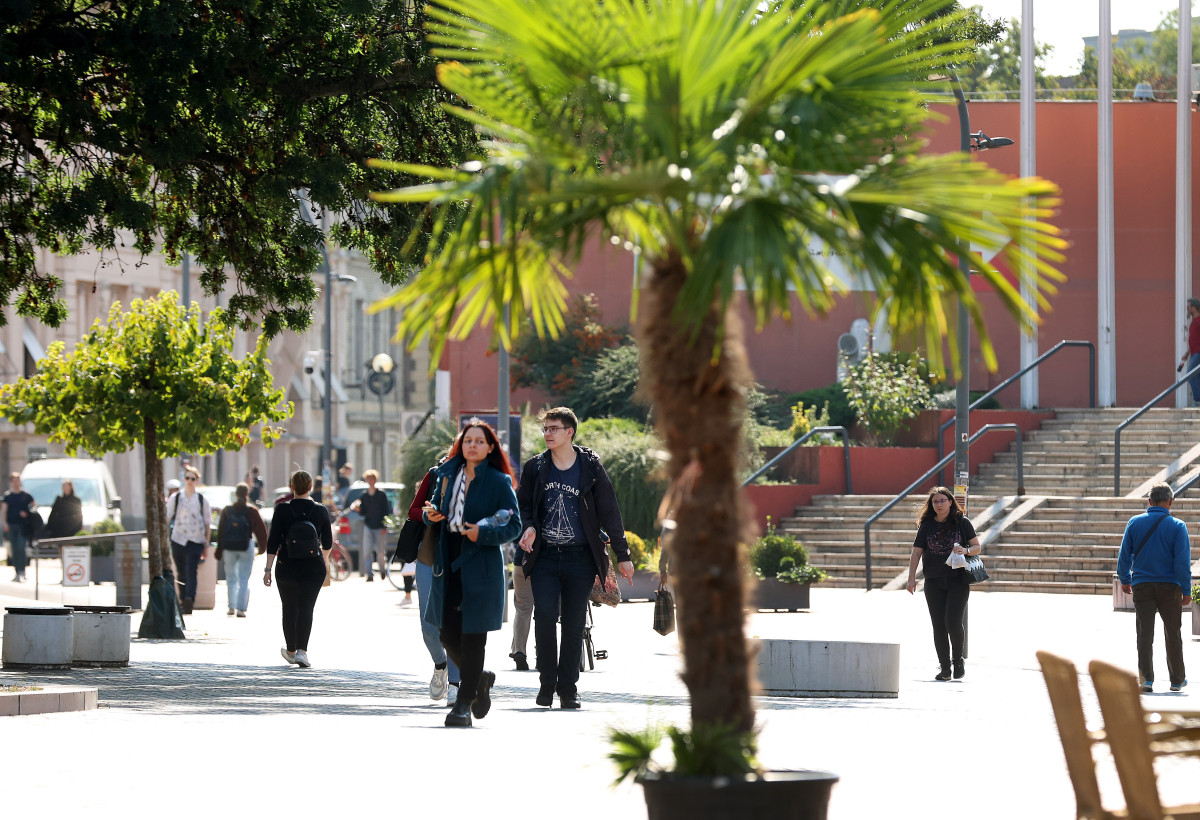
(942, 529)
(66, 516)
(299, 579)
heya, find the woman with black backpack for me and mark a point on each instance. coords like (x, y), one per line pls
(300, 540)
(238, 522)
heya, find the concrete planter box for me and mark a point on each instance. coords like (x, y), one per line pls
(768, 593)
(101, 635)
(38, 637)
(645, 584)
(48, 699)
(829, 669)
(1122, 601)
(1195, 620)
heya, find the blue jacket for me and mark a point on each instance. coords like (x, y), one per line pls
(481, 563)
(1165, 558)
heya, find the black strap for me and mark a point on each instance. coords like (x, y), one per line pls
(1146, 538)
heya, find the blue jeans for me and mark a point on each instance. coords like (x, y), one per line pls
(16, 548)
(565, 576)
(429, 634)
(1194, 381)
(238, 566)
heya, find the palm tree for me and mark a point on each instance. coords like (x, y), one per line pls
(724, 139)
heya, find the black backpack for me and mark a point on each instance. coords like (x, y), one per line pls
(302, 539)
(234, 531)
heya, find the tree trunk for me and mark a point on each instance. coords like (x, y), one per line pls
(698, 385)
(156, 521)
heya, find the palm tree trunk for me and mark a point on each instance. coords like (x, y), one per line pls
(698, 386)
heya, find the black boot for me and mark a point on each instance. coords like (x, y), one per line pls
(944, 674)
(521, 661)
(959, 669)
(185, 605)
(483, 695)
(460, 715)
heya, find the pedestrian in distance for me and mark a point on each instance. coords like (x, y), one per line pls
(943, 530)
(1192, 357)
(566, 500)
(473, 502)
(300, 540)
(373, 506)
(238, 523)
(1155, 565)
(255, 482)
(66, 515)
(189, 517)
(15, 507)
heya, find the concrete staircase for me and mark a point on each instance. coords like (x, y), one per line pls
(1061, 536)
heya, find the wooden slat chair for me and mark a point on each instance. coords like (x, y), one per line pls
(1062, 683)
(1135, 739)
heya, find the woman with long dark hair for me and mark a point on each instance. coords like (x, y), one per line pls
(66, 516)
(473, 503)
(942, 529)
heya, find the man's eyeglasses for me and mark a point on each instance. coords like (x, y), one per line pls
(546, 430)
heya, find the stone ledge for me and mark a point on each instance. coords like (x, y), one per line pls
(48, 699)
(847, 669)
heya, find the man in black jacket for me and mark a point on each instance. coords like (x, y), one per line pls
(566, 501)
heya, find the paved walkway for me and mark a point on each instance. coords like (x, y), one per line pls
(212, 725)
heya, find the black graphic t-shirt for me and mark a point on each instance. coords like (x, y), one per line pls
(937, 542)
(560, 506)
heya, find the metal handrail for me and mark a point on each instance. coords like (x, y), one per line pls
(929, 474)
(1187, 485)
(1032, 365)
(845, 452)
(1135, 417)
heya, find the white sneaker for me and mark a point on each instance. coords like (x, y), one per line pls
(439, 684)
(290, 657)
(302, 659)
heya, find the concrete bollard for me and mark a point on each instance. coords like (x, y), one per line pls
(101, 635)
(38, 637)
(829, 669)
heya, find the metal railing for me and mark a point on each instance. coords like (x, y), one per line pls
(1008, 382)
(1121, 427)
(934, 469)
(841, 431)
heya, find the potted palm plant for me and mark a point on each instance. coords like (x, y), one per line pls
(738, 147)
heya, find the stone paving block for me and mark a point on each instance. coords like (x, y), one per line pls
(10, 704)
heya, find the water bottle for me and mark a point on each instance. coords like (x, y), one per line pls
(499, 519)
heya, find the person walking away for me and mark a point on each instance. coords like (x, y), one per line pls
(566, 499)
(15, 507)
(190, 519)
(66, 515)
(300, 540)
(473, 499)
(445, 671)
(238, 523)
(942, 529)
(1155, 564)
(255, 482)
(374, 506)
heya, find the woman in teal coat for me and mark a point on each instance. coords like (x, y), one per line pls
(472, 497)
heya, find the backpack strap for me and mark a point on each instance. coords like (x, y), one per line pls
(1146, 538)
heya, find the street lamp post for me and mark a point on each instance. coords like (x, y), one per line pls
(380, 382)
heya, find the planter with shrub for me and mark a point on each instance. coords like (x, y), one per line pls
(780, 563)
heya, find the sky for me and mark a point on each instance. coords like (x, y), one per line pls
(1064, 23)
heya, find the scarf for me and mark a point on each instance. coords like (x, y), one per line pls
(458, 496)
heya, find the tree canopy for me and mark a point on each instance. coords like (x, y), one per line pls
(190, 126)
(158, 376)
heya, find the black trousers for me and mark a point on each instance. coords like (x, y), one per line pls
(947, 601)
(299, 583)
(466, 649)
(1166, 601)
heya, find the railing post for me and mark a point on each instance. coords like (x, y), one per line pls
(1117, 464)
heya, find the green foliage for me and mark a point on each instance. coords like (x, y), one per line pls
(189, 126)
(805, 419)
(421, 452)
(106, 546)
(156, 364)
(779, 555)
(708, 750)
(637, 551)
(886, 391)
(608, 385)
(1196, 593)
(625, 449)
(948, 400)
(997, 67)
(834, 399)
(556, 363)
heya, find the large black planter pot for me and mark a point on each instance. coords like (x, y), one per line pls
(781, 795)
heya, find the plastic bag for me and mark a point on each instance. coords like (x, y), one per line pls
(957, 561)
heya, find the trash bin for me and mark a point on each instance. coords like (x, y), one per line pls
(101, 635)
(38, 637)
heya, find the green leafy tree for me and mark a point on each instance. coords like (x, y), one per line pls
(997, 67)
(608, 386)
(156, 376)
(1127, 72)
(1164, 45)
(885, 392)
(720, 139)
(556, 364)
(189, 126)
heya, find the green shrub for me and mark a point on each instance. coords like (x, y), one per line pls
(948, 400)
(608, 386)
(805, 419)
(886, 392)
(833, 398)
(104, 526)
(625, 448)
(780, 556)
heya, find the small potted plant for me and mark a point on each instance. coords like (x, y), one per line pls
(780, 563)
(1195, 610)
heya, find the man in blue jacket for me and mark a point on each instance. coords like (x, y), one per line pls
(1155, 563)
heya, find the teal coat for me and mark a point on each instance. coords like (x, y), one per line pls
(482, 562)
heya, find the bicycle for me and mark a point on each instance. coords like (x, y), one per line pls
(340, 565)
(395, 572)
(590, 653)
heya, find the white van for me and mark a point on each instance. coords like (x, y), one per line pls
(92, 480)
